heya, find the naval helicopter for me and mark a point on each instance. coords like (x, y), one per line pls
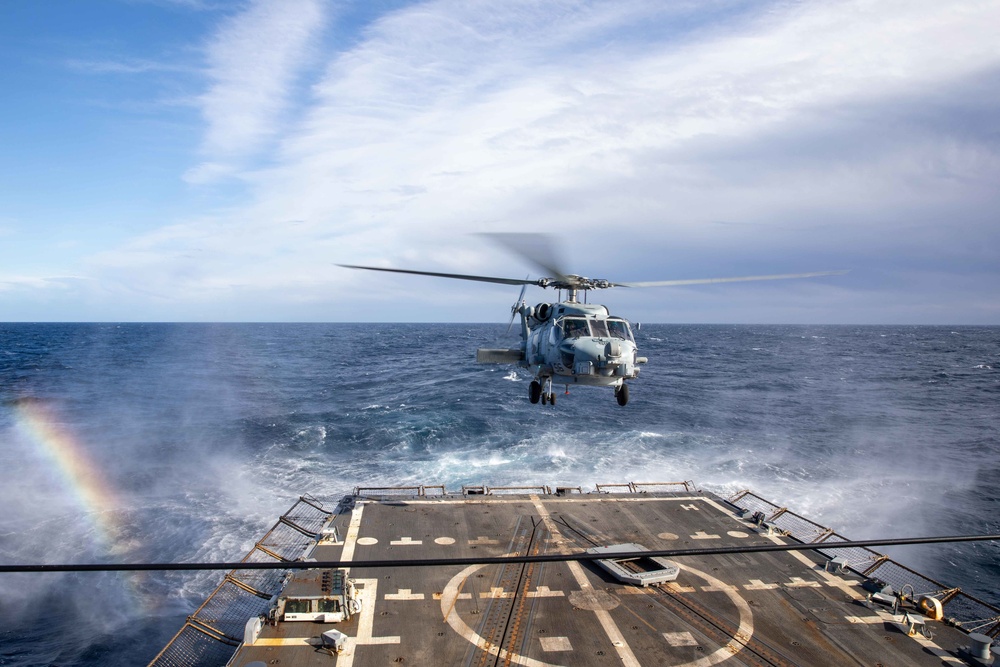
(571, 341)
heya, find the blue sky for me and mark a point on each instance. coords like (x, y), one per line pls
(207, 161)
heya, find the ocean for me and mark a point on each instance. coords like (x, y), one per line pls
(185, 442)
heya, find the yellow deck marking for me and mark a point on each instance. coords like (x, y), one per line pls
(287, 641)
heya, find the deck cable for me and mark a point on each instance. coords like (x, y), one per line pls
(435, 562)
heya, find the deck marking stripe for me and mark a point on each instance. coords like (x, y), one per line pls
(603, 616)
(457, 595)
(404, 594)
(350, 540)
(865, 620)
(799, 582)
(448, 599)
(928, 644)
(743, 633)
(831, 579)
(366, 623)
(286, 641)
(938, 651)
(544, 592)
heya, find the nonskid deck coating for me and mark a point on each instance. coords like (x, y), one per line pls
(776, 608)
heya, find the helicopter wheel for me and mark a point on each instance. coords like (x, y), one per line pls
(552, 398)
(534, 391)
(622, 394)
(545, 399)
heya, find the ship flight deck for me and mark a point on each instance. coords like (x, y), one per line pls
(805, 608)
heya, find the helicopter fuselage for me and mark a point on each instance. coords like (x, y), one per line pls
(578, 343)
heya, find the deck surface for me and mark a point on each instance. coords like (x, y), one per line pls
(778, 608)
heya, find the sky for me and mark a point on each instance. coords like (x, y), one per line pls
(195, 160)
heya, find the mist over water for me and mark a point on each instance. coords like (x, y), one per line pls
(199, 436)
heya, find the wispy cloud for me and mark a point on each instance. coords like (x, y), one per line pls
(39, 283)
(253, 62)
(127, 66)
(821, 131)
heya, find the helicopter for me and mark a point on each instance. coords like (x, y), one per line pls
(571, 341)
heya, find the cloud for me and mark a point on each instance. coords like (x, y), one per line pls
(824, 135)
(126, 66)
(253, 62)
(39, 283)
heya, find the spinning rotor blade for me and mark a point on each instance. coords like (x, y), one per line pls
(458, 276)
(705, 281)
(537, 249)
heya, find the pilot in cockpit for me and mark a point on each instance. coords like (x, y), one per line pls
(618, 329)
(574, 328)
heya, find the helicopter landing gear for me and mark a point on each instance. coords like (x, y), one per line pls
(537, 393)
(621, 393)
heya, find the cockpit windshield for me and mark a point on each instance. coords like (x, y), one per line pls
(598, 329)
(619, 328)
(574, 327)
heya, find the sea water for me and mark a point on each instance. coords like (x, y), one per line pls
(185, 442)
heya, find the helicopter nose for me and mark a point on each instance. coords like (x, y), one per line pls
(595, 356)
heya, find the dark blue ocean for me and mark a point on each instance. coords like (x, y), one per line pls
(185, 442)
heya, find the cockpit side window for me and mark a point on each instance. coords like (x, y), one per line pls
(619, 329)
(574, 327)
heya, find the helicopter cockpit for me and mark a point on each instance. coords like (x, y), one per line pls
(578, 327)
(619, 328)
(574, 327)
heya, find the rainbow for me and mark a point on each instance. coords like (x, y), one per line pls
(81, 478)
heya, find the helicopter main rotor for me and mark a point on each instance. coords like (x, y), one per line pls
(573, 283)
(569, 282)
(537, 249)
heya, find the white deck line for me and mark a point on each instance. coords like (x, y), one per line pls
(603, 616)
(351, 539)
